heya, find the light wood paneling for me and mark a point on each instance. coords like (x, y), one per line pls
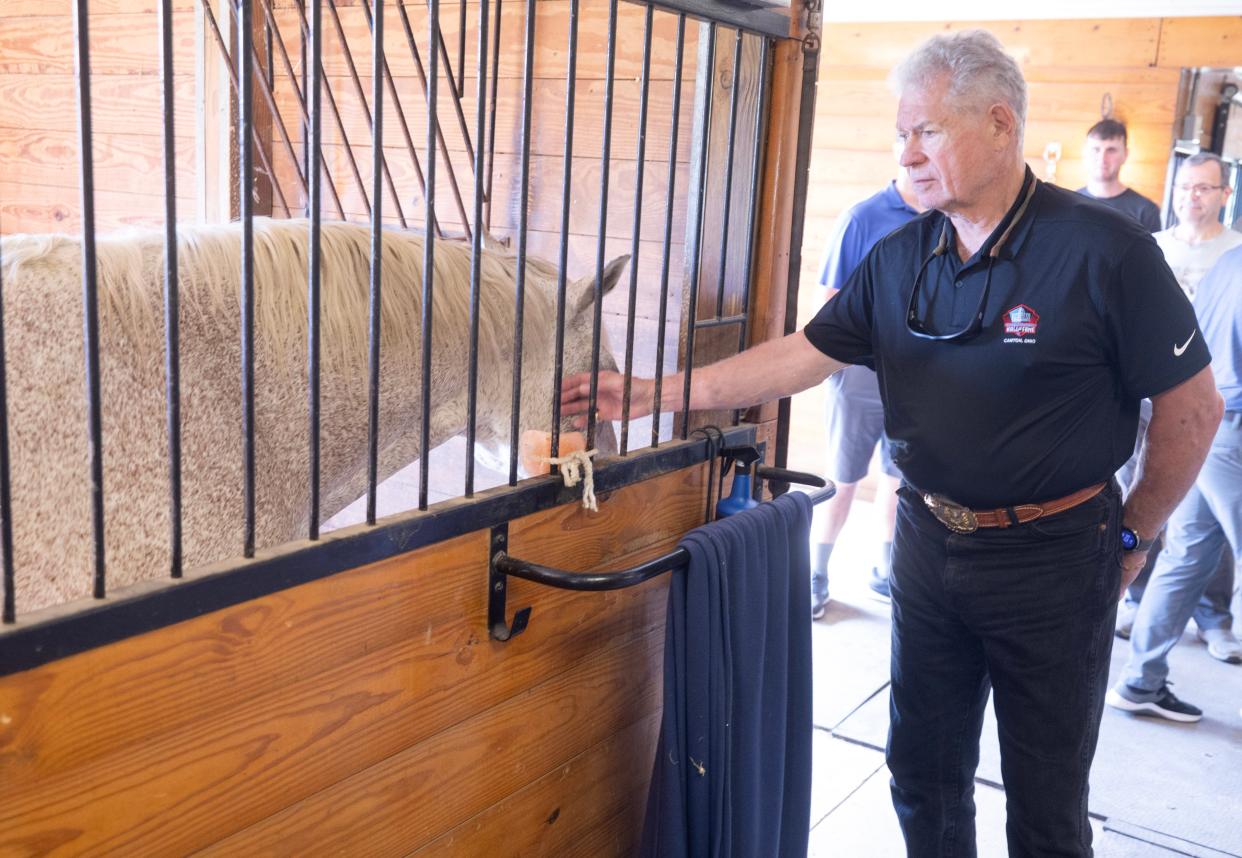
(31, 208)
(39, 149)
(411, 797)
(352, 689)
(1201, 42)
(1123, 42)
(43, 8)
(550, 816)
(121, 44)
(120, 105)
(49, 159)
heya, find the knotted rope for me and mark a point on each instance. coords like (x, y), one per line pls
(576, 468)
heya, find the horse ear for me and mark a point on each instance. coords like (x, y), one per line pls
(612, 275)
(495, 245)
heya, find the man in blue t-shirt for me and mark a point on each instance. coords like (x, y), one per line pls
(1207, 524)
(854, 412)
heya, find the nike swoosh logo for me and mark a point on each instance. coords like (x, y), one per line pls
(1178, 351)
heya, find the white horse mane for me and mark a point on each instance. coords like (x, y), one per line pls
(130, 262)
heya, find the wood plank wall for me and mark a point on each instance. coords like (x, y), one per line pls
(39, 158)
(1069, 67)
(367, 713)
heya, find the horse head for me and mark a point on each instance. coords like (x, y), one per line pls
(535, 441)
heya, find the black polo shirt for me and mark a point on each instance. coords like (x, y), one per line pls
(1083, 319)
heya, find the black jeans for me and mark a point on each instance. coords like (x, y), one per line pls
(1027, 612)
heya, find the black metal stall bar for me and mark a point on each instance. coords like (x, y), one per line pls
(172, 302)
(519, 299)
(457, 87)
(8, 614)
(432, 117)
(502, 565)
(571, 77)
(461, 50)
(604, 169)
(245, 131)
(662, 324)
(694, 232)
(90, 290)
(728, 186)
(304, 79)
(379, 67)
(313, 303)
(476, 248)
(491, 131)
(406, 136)
(429, 248)
(304, 27)
(756, 177)
(636, 232)
(377, 75)
(801, 181)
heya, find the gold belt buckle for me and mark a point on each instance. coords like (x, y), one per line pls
(956, 517)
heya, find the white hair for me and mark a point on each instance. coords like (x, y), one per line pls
(979, 71)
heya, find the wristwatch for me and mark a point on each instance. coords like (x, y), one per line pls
(1131, 541)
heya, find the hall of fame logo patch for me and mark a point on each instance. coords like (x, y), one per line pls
(1021, 324)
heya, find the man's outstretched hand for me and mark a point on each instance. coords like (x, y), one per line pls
(610, 397)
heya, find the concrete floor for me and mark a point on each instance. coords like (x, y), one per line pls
(1158, 789)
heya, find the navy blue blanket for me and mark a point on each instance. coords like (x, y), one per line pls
(732, 775)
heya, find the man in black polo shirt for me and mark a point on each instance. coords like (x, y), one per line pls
(1014, 329)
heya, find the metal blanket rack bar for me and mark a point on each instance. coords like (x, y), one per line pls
(502, 566)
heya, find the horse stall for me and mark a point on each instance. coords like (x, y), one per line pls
(261, 256)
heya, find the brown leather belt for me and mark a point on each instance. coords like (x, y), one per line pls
(961, 519)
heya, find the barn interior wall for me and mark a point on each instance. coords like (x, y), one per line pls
(39, 149)
(367, 713)
(1070, 65)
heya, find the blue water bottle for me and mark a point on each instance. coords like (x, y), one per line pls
(740, 497)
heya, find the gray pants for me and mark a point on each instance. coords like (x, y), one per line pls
(1205, 525)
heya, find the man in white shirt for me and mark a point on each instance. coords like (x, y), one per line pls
(1199, 239)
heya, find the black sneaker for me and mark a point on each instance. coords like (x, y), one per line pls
(819, 594)
(879, 586)
(1162, 703)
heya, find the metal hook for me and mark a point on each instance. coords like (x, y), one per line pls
(497, 589)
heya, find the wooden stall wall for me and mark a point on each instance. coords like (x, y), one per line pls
(39, 150)
(1070, 65)
(367, 713)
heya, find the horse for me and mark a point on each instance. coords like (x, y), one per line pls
(41, 276)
